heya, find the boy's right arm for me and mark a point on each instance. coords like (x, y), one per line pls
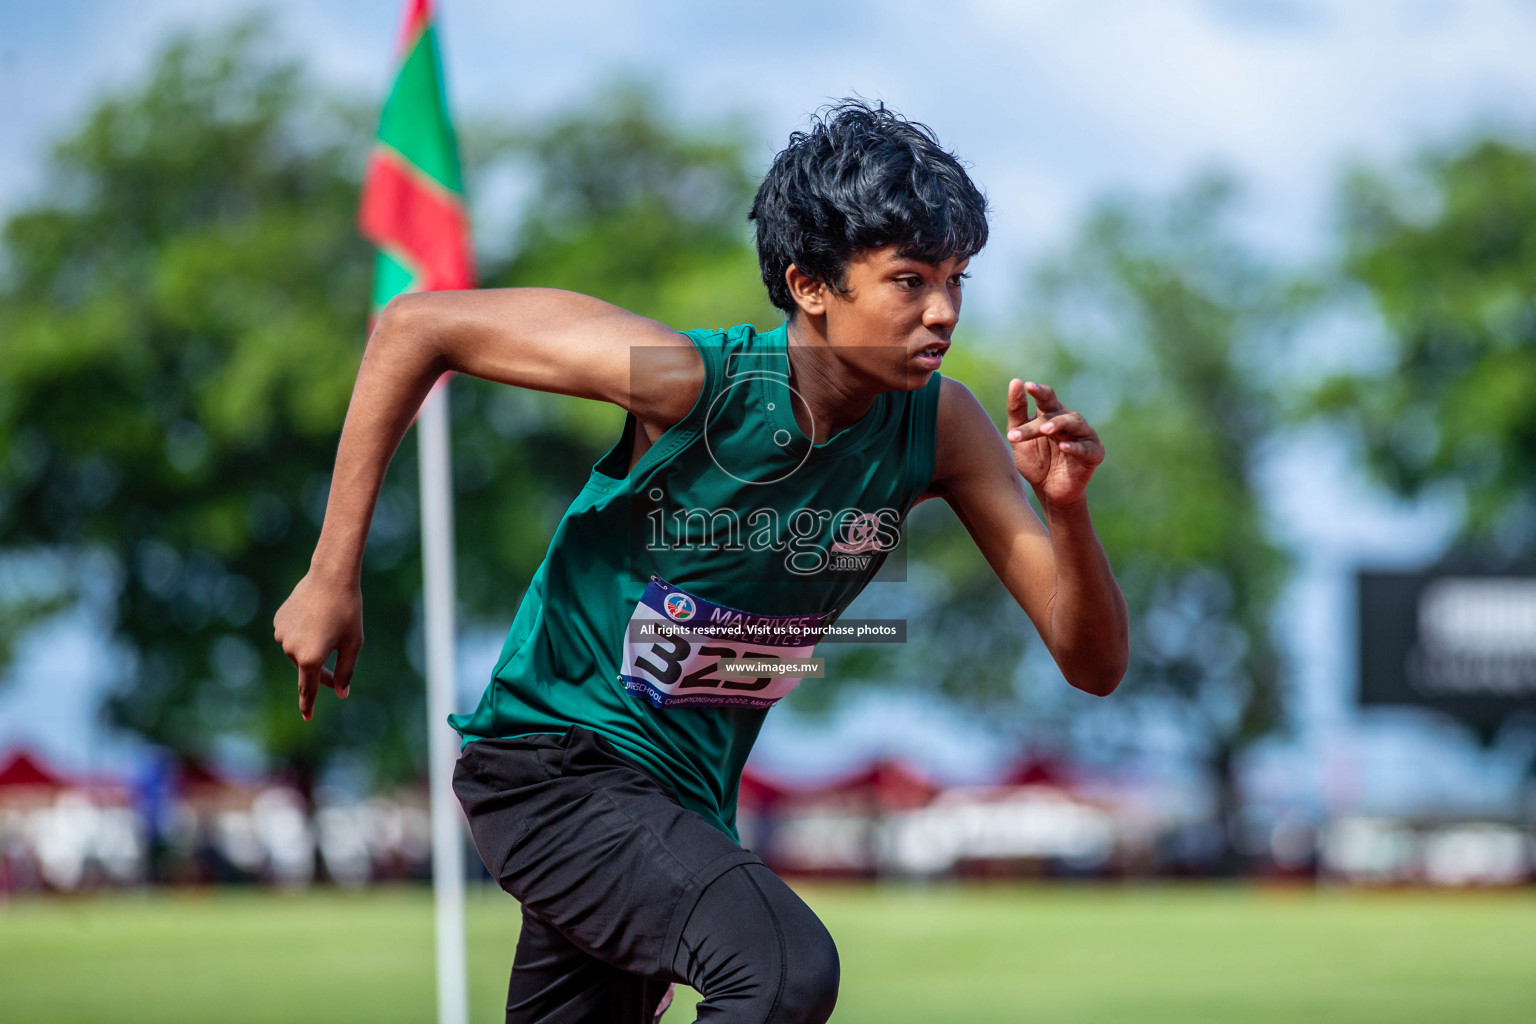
(538, 338)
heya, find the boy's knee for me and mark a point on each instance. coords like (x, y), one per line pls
(758, 953)
(811, 975)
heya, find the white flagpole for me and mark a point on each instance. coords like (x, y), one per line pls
(442, 745)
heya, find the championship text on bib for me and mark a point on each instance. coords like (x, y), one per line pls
(675, 641)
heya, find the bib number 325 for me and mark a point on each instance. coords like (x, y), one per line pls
(675, 641)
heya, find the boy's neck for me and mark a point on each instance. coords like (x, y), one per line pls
(837, 399)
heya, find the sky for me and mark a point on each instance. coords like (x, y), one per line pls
(1053, 103)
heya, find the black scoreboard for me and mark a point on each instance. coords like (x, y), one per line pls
(1463, 643)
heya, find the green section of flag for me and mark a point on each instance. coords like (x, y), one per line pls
(391, 277)
(415, 119)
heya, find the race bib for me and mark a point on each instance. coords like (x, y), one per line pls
(675, 641)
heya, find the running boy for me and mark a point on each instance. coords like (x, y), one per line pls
(760, 480)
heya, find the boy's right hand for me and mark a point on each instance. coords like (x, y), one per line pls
(320, 616)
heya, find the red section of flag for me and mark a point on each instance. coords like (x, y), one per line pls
(402, 213)
(417, 14)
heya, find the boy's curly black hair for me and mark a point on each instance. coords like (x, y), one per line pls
(860, 178)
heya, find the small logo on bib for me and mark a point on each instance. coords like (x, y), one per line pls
(679, 606)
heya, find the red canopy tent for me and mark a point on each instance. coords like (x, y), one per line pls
(25, 771)
(887, 784)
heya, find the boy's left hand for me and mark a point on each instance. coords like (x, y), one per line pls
(1056, 450)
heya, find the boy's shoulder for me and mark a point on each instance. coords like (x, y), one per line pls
(741, 334)
(743, 348)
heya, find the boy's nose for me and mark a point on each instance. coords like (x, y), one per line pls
(942, 311)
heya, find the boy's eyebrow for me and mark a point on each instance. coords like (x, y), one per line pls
(899, 261)
(919, 255)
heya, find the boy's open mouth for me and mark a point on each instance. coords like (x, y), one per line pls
(933, 355)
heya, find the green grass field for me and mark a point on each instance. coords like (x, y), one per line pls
(944, 954)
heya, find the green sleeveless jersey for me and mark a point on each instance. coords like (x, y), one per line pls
(732, 537)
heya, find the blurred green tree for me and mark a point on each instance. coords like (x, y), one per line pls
(180, 324)
(630, 208)
(1173, 330)
(182, 319)
(1446, 251)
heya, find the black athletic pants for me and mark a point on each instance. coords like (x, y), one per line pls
(624, 891)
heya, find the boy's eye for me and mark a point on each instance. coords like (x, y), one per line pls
(909, 283)
(957, 279)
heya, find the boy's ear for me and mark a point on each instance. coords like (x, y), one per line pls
(809, 294)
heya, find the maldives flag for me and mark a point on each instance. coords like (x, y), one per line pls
(413, 195)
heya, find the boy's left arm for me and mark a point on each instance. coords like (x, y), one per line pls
(1060, 575)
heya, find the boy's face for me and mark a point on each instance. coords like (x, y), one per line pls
(892, 321)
